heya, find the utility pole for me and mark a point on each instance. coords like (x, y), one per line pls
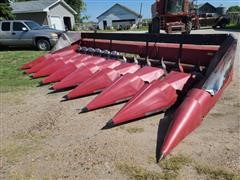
(140, 15)
(141, 9)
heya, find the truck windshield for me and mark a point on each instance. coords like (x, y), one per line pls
(174, 6)
(33, 25)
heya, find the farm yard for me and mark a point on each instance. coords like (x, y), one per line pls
(43, 138)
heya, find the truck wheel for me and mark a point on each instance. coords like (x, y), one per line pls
(43, 45)
(188, 27)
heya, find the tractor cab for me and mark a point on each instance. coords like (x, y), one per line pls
(174, 6)
(172, 16)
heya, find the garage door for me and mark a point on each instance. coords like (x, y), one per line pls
(57, 23)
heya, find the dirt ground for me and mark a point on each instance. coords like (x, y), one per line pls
(43, 138)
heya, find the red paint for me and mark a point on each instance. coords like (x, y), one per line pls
(62, 53)
(70, 67)
(85, 72)
(189, 116)
(191, 54)
(102, 80)
(49, 61)
(154, 97)
(55, 66)
(34, 62)
(125, 87)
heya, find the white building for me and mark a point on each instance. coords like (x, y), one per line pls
(54, 13)
(118, 17)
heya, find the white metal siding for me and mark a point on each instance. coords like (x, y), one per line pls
(116, 13)
(60, 11)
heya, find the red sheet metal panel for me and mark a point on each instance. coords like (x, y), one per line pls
(125, 87)
(70, 67)
(50, 60)
(102, 80)
(34, 62)
(82, 74)
(63, 52)
(191, 54)
(154, 97)
(189, 116)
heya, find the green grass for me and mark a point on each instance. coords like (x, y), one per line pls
(135, 172)
(132, 130)
(233, 26)
(23, 143)
(13, 152)
(171, 167)
(215, 173)
(142, 28)
(11, 78)
(175, 163)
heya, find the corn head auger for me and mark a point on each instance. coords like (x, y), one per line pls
(180, 74)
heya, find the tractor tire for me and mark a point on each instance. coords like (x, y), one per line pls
(150, 28)
(155, 27)
(43, 45)
(188, 27)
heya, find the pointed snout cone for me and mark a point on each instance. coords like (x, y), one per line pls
(82, 74)
(53, 67)
(50, 69)
(34, 62)
(125, 87)
(188, 116)
(41, 65)
(154, 97)
(53, 58)
(46, 57)
(101, 80)
(70, 67)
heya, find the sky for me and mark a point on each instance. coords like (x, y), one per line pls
(97, 7)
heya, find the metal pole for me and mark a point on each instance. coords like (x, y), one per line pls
(141, 9)
(140, 14)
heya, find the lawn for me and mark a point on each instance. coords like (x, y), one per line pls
(233, 26)
(11, 78)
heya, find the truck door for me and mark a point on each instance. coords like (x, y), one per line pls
(20, 34)
(5, 34)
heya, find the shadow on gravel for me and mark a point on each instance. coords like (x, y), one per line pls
(162, 130)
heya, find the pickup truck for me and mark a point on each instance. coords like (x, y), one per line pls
(21, 33)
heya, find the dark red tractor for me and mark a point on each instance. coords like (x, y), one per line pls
(182, 16)
(173, 15)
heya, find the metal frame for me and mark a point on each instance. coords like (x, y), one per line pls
(197, 39)
(225, 41)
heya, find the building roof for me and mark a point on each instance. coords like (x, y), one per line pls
(207, 4)
(37, 6)
(124, 7)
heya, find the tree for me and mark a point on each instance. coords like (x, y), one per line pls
(78, 6)
(233, 9)
(5, 10)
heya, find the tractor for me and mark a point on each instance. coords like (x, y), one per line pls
(181, 16)
(172, 16)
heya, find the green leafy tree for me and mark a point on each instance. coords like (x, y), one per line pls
(5, 10)
(79, 6)
(233, 9)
